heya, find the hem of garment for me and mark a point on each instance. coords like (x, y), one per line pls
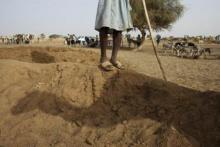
(112, 28)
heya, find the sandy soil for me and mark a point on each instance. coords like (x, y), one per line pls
(59, 97)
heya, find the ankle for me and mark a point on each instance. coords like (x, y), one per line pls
(103, 59)
(113, 60)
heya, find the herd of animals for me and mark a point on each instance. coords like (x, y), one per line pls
(177, 48)
(72, 40)
(17, 39)
(186, 49)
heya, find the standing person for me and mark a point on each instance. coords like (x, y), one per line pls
(138, 40)
(158, 39)
(113, 17)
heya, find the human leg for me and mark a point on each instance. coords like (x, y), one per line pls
(105, 64)
(103, 44)
(117, 38)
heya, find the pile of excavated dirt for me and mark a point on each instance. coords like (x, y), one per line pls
(74, 103)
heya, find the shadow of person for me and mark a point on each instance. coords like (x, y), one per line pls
(42, 57)
(131, 96)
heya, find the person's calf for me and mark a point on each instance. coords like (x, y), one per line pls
(103, 44)
(117, 37)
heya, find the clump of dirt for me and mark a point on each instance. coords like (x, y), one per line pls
(39, 57)
(73, 103)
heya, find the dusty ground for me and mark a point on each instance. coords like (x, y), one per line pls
(59, 97)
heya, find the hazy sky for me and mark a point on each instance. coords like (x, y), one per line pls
(78, 17)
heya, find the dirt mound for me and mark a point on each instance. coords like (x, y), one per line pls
(45, 55)
(73, 103)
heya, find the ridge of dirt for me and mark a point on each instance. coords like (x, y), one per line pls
(76, 103)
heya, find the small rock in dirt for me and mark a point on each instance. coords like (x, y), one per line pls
(138, 142)
(89, 141)
(78, 123)
(125, 122)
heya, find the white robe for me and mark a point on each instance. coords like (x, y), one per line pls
(114, 14)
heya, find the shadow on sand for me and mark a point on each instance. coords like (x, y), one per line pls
(42, 57)
(128, 96)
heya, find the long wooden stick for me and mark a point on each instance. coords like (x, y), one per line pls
(153, 41)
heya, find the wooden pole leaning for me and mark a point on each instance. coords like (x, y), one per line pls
(153, 41)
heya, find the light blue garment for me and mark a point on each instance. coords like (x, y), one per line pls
(114, 14)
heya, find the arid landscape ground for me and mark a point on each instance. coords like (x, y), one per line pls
(58, 96)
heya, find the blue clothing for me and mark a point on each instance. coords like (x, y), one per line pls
(114, 14)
